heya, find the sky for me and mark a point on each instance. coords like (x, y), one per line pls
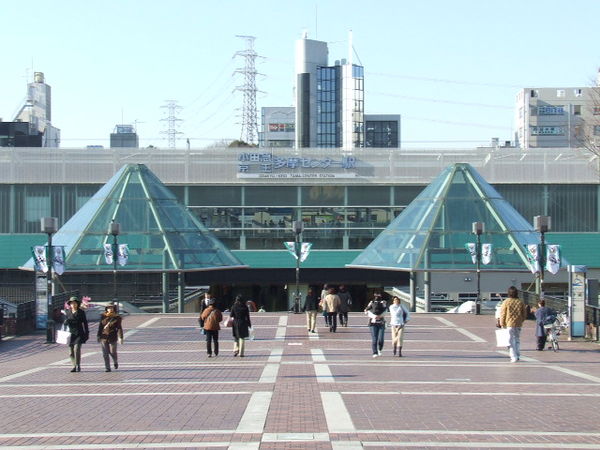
(451, 69)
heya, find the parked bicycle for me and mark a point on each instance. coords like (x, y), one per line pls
(554, 326)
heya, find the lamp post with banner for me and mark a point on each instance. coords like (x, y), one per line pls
(300, 251)
(49, 226)
(115, 230)
(542, 225)
(478, 229)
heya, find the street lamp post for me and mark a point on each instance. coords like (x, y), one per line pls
(49, 226)
(542, 225)
(298, 228)
(478, 229)
(115, 230)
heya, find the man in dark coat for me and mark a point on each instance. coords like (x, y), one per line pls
(78, 327)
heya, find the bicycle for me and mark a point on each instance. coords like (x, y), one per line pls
(555, 328)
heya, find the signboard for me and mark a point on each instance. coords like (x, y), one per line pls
(269, 165)
(577, 286)
(41, 301)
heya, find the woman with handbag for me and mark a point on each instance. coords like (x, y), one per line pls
(110, 331)
(375, 310)
(78, 327)
(211, 317)
(240, 326)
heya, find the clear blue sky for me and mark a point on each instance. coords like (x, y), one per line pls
(451, 69)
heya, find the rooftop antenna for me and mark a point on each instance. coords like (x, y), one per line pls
(350, 47)
(316, 22)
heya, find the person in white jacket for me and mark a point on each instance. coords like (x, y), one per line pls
(399, 315)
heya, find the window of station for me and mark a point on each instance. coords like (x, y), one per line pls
(270, 195)
(368, 195)
(322, 195)
(215, 195)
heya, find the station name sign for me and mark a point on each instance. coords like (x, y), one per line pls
(269, 165)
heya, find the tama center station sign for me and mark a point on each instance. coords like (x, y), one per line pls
(269, 165)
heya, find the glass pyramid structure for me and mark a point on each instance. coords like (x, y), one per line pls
(162, 234)
(431, 233)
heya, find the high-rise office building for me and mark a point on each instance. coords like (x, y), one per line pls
(329, 98)
(37, 111)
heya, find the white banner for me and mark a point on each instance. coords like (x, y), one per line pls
(553, 258)
(58, 259)
(304, 249)
(123, 254)
(486, 253)
(534, 258)
(108, 253)
(472, 249)
(39, 258)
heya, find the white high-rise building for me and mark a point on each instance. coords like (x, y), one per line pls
(37, 110)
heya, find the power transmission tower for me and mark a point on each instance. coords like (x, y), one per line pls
(249, 113)
(172, 121)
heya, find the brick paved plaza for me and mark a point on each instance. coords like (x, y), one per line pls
(453, 388)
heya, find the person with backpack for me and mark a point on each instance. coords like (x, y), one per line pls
(375, 310)
(543, 316)
(399, 315)
(211, 317)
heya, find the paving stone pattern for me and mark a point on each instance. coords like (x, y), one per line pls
(453, 388)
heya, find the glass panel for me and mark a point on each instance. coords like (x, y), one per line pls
(403, 195)
(323, 217)
(369, 217)
(324, 238)
(368, 195)
(563, 200)
(270, 195)
(215, 195)
(322, 195)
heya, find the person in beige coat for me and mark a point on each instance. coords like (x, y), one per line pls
(512, 316)
(331, 304)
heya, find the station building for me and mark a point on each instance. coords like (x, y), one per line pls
(249, 198)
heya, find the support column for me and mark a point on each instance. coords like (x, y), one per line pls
(413, 291)
(427, 290)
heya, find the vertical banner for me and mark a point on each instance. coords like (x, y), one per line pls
(41, 301)
(486, 253)
(58, 259)
(577, 300)
(123, 254)
(534, 258)
(39, 258)
(305, 250)
(553, 258)
(108, 253)
(472, 249)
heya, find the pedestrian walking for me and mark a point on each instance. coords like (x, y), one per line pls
(78, 327)
(241, 325)
(311, 305)
(542, 313)
(211, 317)
(324, 292)
(399, 315)
(376, 326)
(345, 305)
(110, 331)
(203, 306)
(331, 304)
(512, 316)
